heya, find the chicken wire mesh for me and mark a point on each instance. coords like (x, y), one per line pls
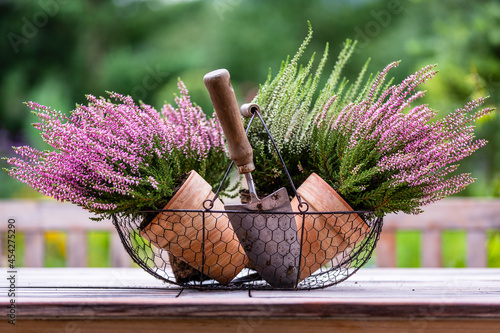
(250, 249)
(201, 249)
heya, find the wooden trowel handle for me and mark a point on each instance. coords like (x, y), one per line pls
(222, 95)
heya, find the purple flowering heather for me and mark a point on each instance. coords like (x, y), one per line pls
(201, 133)
(119, 157)
(369, 139)
(397, 154)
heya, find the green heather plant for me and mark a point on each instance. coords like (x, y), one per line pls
(290, 104)
(366, 139)
(120, 157)
(384, 154)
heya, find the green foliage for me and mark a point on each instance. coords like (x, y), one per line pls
(292, 118)
(98, 245)
(170, 173)
(454, 245)
(121, 158)
(290, 114)
(493, 248)
(55, 247)
(353, 173)
(353, 129)
(93, 46)
(408, 243)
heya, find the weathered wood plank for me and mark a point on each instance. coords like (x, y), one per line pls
(246, 324)
(119, 257)
(34, 248)
(370, 293)
(431, 248)
(107, 304)
(48, 215)
(447, 281)
(456, 213)
(76, 248)
(476, 248)
(373, 300)
(79, 277)
(386, 249)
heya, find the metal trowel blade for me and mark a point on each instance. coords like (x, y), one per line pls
(270, 240)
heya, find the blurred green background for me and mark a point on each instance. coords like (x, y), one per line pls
(56, 51)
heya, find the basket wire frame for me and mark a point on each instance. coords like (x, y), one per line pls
(333, 245)
(156, 260)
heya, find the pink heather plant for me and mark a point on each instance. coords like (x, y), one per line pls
(370, 140)
(383, 154)
(120, 157)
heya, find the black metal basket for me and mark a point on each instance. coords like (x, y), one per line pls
(201, 249)
(349, 255)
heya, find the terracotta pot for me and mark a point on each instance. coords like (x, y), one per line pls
(182, 233)
(326, 236)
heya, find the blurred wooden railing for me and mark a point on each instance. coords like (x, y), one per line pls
(475, 216)
(35, 218)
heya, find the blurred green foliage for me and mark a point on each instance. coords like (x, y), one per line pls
(56, 51)
(55, 247)
(454, 246)
(493, 248)
(408, 252)
(98, 245)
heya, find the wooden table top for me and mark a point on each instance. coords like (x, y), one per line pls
(125, 293)
(384, 292)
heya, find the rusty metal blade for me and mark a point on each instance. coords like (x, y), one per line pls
(270, 240)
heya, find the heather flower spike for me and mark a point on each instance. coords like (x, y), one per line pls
(411, 152)
(120, 157)
(370, 140)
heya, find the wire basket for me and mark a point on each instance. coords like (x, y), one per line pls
(215, 262)
(208, 249)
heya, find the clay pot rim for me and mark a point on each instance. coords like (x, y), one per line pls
(191, 175)
(182, 187)
(335, 193)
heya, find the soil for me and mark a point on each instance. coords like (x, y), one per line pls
(183, 272)
(182, 179)
(245, 197)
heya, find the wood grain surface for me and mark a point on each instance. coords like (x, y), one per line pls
(374, 300)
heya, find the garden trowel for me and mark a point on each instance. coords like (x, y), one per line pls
(270, 239)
